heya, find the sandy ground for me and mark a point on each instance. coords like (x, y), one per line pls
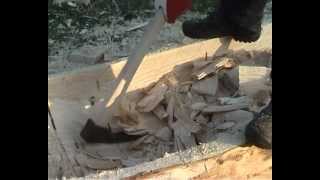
(238, 163)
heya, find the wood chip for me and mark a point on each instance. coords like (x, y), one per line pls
(183, 72)
(226, 125)
(226, 63)
(127, 112)
(97, 163)
(229, 80)
(170, 109)
(209, 67)
(210, 99)
(238, 116)
(136, 145)
(196, 98)
(202, 73)
(164, 134)
(154, 97)
(201, 119)
(149, 87)
(218, 118)
(183, 126)
(194, 114)
(224, 108)
(230, 100)
(160, 112)
(147, 123)
(184, 88)
(207, 86)
(198, 106)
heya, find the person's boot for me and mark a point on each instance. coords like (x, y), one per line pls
(240, 19)
(259, 131)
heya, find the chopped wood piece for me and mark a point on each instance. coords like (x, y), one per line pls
(170, 109)
(171, 80)
(97, 163)
(238, 116)
(136, 145)
(160, 112)
(226, 63)
(225, 126)
(212, 67)
(183, 126)
(164, 134)
(216, 108)
(211, 99)
(183, 72)
(195, 98)
(184, 88)
(154, 97)
(201, 119)
(150, 140)
(260, 100)
(198, 64)
(230, 100)
(147, 123)
(198, 106)
(202, 73)
(127, 112)
(229, 80)
(253, 79)
(149, 87)
(207, 86)
(183, 141)
(218, 118)
(193, 114)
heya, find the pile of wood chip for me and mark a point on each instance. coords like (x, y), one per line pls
(183, 104)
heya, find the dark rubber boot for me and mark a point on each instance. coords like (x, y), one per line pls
(240, 19)
(259, 130)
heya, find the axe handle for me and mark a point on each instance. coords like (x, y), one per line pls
(136, 57)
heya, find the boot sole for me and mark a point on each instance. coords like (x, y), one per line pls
(246, 39)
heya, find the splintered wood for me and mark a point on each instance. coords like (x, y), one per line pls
(184, 104)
